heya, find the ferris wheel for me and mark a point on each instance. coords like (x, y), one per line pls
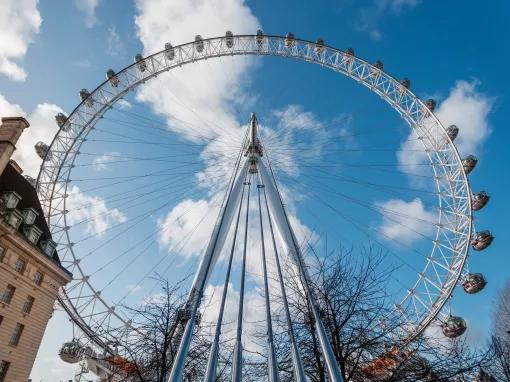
(249, 161)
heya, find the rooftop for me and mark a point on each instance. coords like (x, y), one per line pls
(12, 180)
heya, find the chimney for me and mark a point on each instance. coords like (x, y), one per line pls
(10, 131)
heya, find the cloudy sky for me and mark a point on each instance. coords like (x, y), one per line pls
(49, 50)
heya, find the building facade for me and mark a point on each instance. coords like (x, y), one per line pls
(30, 270)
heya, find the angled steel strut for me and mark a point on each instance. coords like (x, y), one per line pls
(253, 166)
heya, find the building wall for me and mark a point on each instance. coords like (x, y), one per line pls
(23, 355)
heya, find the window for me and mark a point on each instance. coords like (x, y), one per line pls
(32, 233)
(14, 218)
(16, 334)
(8, 293)
(38, 278)
(29, 215)
(48, 247)
(4, 367)
(11, 199)
(27, 306)
(1, 319)
(2, 254)
(20, 266)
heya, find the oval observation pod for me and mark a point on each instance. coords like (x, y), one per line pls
(199, 43)
(142, 65)
(86, 98)
(289, 40)
(378, 65)
(454, 327)
(349, 51)
(112, 78)
(319, 45)
(431, 104)
(42, 150)
(405, 83)
(481, 240)
(469, 163)
(452, 131)
(229, 37)
(169, 51)
(71, 352)
(61, 119)
(473, 283)
(260, 37)
(479, 200)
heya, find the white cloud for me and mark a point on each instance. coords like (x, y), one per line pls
(399, 5)
(371, 16)
(183, 219)
(134, 288)
(207, 91)
(101, 162)
(465, 107)
(93, 210)
(113, 42)
(469, 109)
(298, 132)
(19, 22)
(254, 310)
(405, 221)
(88, 7)
(8, 109)
(123, 104)
(42, 128)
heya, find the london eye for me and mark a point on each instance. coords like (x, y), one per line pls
(261, 192)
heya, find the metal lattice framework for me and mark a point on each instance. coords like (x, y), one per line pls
(443, 268)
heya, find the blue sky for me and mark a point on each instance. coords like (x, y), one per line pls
(454, 53)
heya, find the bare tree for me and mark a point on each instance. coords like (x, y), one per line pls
(151, 348)
(501, 336)
(351, 293)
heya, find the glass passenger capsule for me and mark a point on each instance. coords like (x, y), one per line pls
(260, 37)
(473, 283)
(481, 240)
(43, 150)
(319, 45)
(112, 78)
(86, 98)
(452, 131)
(169, 51)
(454, 327)
(405, 83)
(229, 37)
(289, 40)
(61, 119)
(199, 43)
(379, 65)
(71, 352)
(469, 163)
(140, 62)
(431, 104)
(479, 200)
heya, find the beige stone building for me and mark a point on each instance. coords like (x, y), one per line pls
(30, 270)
